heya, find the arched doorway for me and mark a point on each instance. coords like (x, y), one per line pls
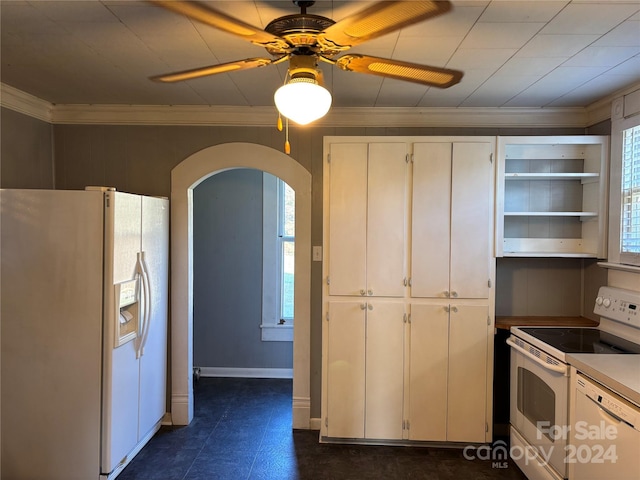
(184, 178)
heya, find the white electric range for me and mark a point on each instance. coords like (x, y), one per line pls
(540, 378)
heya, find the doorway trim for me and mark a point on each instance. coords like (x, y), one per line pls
(184, 178)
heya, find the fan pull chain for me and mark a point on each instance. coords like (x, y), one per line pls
(287, 145)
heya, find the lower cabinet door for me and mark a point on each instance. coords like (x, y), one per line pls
(346, 369)
(384, 370)
(428, 368)
(467, 386)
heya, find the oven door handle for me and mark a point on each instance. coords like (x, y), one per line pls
(554, 368)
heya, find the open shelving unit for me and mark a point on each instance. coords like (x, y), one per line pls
(551, 196)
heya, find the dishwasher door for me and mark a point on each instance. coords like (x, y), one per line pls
(605, 434)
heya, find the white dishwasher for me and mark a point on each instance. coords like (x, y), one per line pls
(605, 437)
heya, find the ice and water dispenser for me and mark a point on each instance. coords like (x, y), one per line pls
(128, 311)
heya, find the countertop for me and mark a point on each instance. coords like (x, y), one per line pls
(620, 373)
(506, 323)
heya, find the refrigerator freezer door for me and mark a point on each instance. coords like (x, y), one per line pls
(155, 245)
(121, 379)
(51, 330)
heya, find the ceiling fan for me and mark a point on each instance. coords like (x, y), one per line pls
(305, 39)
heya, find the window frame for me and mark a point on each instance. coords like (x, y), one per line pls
(630, 257)
(282, 239)
(272, 244)
(625, 115)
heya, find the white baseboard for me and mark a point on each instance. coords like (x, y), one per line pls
(315, 423)
(301, 413)
(246, 372)
(181, 409)
(167, 420)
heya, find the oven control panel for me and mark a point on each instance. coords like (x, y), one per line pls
(618, 304)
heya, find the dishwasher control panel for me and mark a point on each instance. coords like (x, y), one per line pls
(620, 305)
(609, 402)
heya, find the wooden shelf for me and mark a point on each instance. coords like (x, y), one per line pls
(550, 214)
(539, 254)
(551, 196)
(551, 176)
(506, 322)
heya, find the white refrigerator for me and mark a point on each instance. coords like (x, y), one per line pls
(83, 330)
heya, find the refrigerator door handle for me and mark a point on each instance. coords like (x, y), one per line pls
(144, 317)
(147, 304)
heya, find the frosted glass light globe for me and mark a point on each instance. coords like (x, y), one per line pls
(302, 100)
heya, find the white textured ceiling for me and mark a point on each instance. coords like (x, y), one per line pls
(555, 53)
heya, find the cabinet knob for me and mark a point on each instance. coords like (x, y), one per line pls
(362, 292)
(454, 294)
(370, 292)
(454, 309)
(446, 309)
(446, 293)
(363, 306)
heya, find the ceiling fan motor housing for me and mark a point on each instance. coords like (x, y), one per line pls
(304, 68)
(300, 30)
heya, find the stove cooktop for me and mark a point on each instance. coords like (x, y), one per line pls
(582, 340)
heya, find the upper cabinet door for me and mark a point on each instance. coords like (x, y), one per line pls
(471, 220)
(386, 219)
(367, 219)
(348, 218)
(430, 220)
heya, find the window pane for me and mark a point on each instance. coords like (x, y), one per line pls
(630, 228)
(289, 204)
(288, 251)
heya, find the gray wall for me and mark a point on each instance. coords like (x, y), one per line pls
(227, 275)
(140, 158)
(564, 287)
(26, 153)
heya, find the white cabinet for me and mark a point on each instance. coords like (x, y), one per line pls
(451, 221)
(365, 368)
(384, 376)
(428, 365)
(470, 337)
(345, 369)
(407, 234)
(449, 378)
(551, 195)
(367, 219)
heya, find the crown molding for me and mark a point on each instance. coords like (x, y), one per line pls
(24, 103)
(498, 117)
(601, 110)
(337, 117)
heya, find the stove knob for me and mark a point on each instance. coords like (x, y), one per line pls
(599, 301)
(606, 302)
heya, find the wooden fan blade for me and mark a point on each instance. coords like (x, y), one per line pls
(410, 72)
(214, 69)
(380, 19)
(222, 21)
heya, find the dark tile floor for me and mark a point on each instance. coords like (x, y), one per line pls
(242, 430)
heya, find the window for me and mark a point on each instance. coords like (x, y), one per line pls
(278, 259)
(286, 238)
(630, 197)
